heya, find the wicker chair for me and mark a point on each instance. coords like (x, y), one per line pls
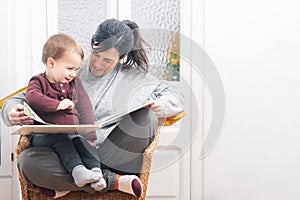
(32, 193)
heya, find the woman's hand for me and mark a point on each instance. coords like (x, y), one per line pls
(156, 107)
(18, 117)
(65, 104)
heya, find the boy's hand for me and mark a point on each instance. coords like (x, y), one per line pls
(65, 104)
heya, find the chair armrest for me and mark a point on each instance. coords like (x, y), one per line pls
(11, 95)
(22, 144)
(171, 120)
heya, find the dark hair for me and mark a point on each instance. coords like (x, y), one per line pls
(126, 38)
(58, 44)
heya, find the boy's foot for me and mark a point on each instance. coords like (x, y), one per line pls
(83, 176)
(99, 185)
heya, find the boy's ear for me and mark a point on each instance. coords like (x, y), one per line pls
(50, 62)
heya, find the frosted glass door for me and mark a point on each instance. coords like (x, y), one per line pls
(160, 23)
(82, 24)
(160, 26)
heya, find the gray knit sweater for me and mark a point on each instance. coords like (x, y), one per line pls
(116, 92)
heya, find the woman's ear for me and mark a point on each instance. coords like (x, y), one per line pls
(123, 58)
(50, 62)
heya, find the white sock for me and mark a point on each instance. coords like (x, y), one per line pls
(130, 184)
(97, 169)
(101, 184)
(83, 176)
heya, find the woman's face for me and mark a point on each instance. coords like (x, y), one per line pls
(103, 62)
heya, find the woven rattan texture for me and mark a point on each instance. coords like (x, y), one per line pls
(31, 193)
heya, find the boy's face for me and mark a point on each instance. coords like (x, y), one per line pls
(64, 69)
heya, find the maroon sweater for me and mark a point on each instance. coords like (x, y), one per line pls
(43, 97)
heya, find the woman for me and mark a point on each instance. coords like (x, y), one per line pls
(116, 79)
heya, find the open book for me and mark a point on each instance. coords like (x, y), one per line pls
(70, 129)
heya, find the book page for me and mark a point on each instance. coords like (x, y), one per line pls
(119, 117)
(30, 113)
(69, 129)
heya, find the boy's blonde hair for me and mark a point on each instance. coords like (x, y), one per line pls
(58, 44)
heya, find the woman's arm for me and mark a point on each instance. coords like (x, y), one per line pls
(170, 100)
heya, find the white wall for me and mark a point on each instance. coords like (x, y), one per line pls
(5, 144)
(255, 46)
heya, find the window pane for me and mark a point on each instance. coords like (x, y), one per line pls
(80, 19)
(160, 26)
